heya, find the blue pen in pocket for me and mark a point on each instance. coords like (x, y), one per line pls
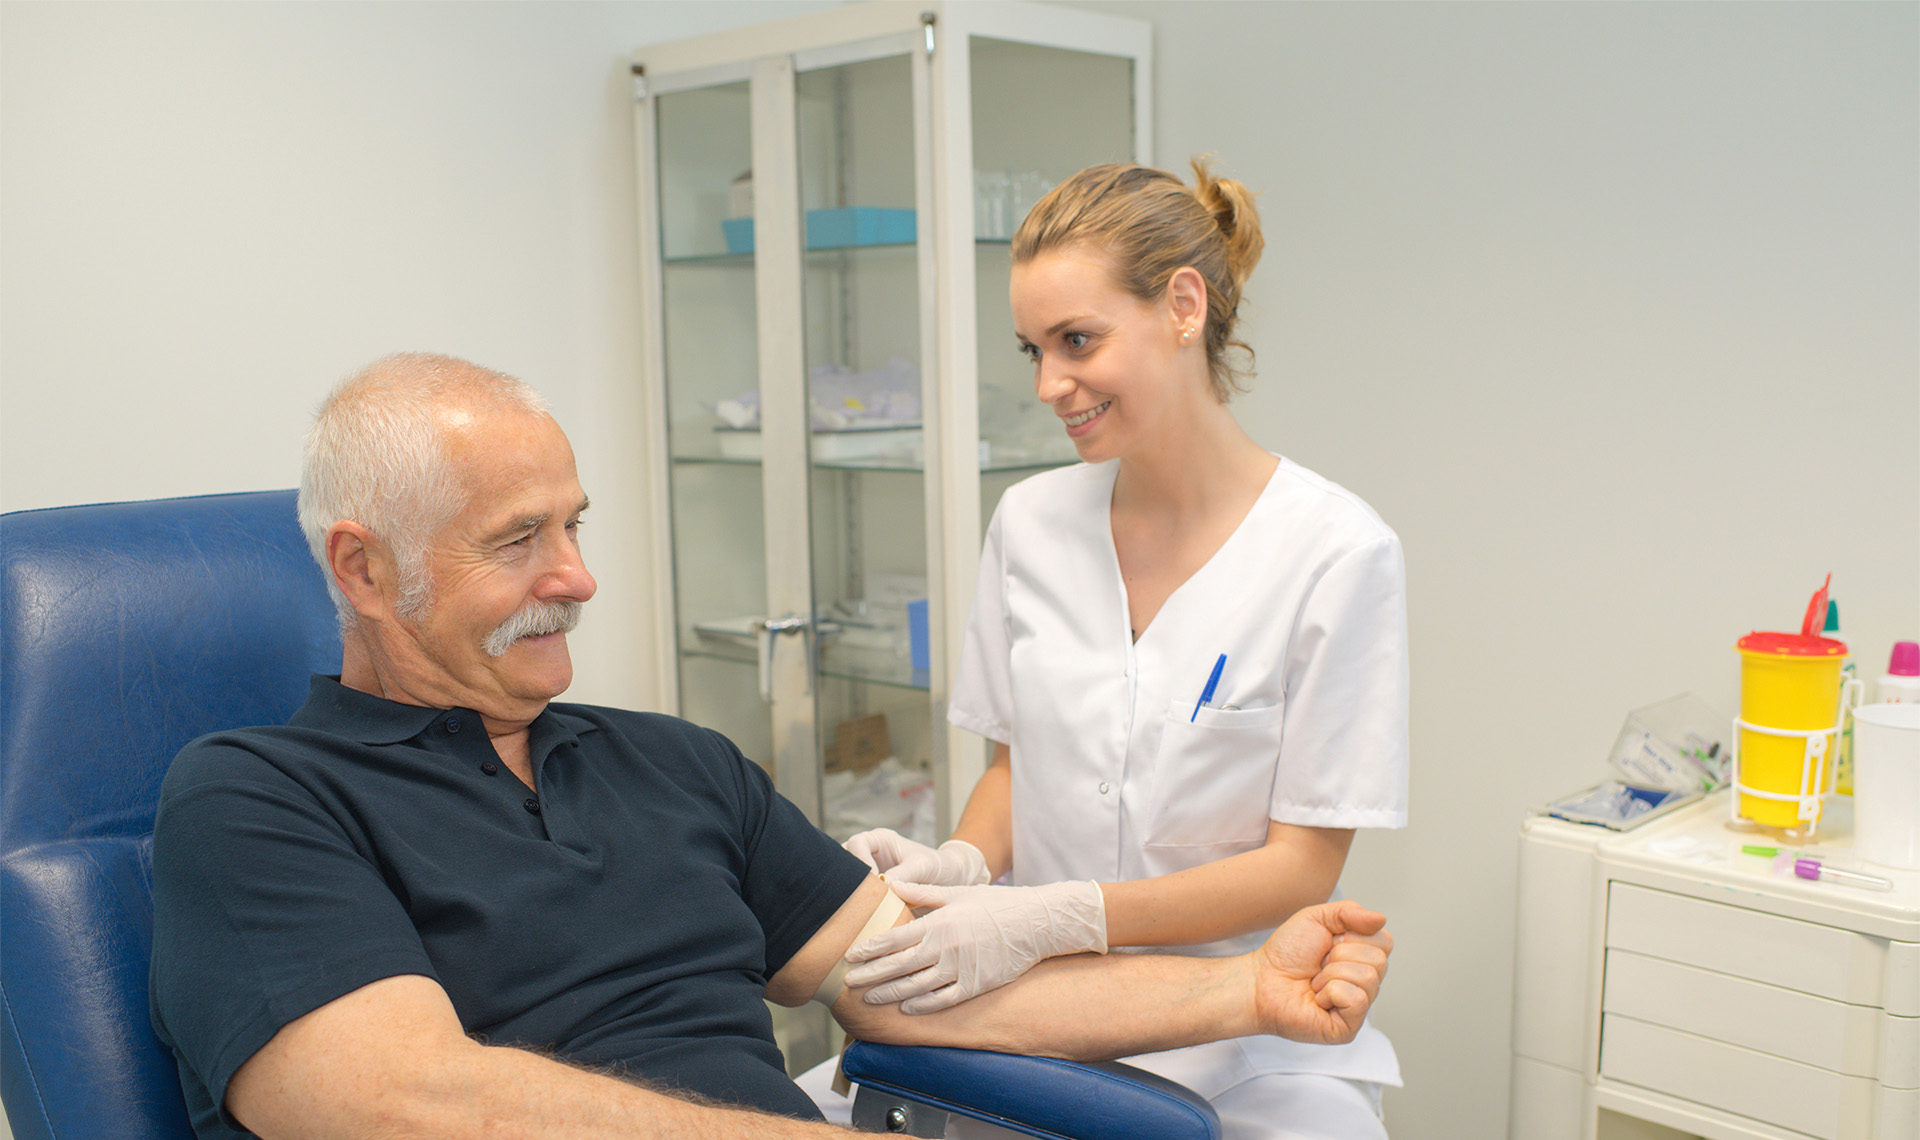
(1213, 682)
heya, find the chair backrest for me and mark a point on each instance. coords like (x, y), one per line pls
(126, 630)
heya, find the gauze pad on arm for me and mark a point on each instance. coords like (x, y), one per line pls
(884, 916)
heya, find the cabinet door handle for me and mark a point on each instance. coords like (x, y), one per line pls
(771, 628)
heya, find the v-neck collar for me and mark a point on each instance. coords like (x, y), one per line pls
(1133, 638)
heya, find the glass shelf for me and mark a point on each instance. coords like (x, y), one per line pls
(814, 253)
(865, 666)
(744, 260)
(1024, 463)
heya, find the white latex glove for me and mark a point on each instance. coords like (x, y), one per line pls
(979, 939)
(956, 863)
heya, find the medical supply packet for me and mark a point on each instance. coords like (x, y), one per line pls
(1618, 806)
(1667, 755)
(1673, 744)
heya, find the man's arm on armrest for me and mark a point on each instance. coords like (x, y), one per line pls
(390, 1059)
(1314, 981)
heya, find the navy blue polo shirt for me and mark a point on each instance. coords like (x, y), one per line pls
(628, 915)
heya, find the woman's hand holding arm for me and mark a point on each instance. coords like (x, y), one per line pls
(977, 939)
(955, 863)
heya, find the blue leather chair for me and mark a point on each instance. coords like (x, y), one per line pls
(127, 630)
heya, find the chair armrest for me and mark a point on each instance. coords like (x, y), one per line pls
(1038, 1096)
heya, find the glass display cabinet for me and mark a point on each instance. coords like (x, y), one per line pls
(834, 395)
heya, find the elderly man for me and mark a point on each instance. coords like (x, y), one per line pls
(435, 903)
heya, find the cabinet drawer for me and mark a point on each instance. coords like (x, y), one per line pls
(1825, 961)
(1784, 1093)
(1853, 1040)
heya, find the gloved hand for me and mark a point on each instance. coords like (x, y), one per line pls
(956, 863)
(979, 939)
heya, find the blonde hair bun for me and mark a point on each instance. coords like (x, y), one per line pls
(1231, 204)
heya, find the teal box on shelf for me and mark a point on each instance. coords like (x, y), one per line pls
(835, 229)
(858, 225)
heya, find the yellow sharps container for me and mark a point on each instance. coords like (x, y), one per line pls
(1789, 712)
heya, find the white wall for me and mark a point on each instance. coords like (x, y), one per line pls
(211, 212)
(1610, 309)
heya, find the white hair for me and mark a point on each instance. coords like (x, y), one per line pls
(377, 456)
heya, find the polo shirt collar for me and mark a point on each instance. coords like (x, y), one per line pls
(336, 708)
(552, 728)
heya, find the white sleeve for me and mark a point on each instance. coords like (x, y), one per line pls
(982, 697)
(1343, 747)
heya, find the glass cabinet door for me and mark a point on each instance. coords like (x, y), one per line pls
(858, 692)
(865, 382)
(1017, 157)
(710, 344)
(842, 396)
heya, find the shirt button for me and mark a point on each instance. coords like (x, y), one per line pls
(1103, 787)
(490, 768)
(453, 724)
(533, 805)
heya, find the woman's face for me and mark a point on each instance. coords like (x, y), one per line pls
(1103, 359)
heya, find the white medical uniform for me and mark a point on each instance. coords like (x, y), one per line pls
(1116, 777)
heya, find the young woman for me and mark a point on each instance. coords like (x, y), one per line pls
(1189, 652)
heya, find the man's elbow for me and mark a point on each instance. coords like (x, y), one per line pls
(886, 1025)
(866, 1022)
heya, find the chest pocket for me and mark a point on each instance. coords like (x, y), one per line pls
(1213, 777)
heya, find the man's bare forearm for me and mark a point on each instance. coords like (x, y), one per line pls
(1084, 1008)
(391, 1060)
(1313, 980)
(502, 1092)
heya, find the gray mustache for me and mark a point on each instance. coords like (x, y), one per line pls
(533, 620)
